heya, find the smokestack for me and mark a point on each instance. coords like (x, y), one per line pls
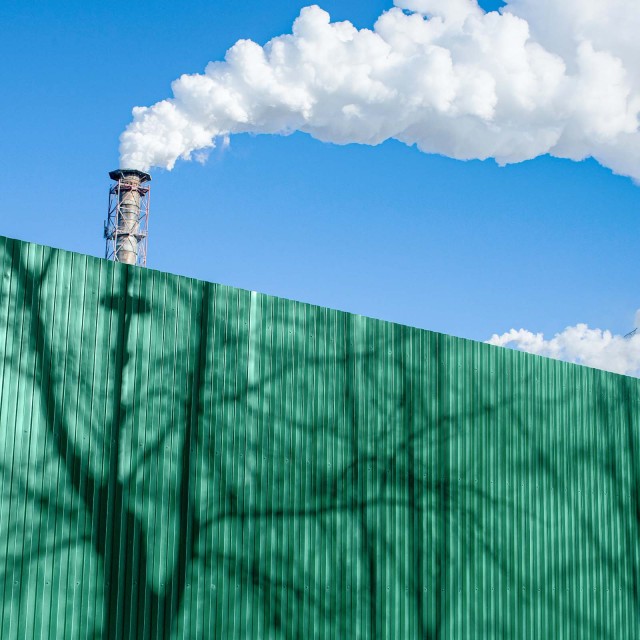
(126, 228)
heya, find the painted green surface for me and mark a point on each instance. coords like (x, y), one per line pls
(186, 460)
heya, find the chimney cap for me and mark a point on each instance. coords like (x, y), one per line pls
(118, 174)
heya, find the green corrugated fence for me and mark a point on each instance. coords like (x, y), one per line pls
(181, 459)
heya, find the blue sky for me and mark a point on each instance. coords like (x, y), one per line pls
(466, 248)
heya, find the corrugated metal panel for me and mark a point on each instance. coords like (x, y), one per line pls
(187, 460)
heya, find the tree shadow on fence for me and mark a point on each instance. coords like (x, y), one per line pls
(251, 467)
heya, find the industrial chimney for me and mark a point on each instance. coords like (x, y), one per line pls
(126, 228)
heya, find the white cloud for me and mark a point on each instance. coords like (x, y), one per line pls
(541, 77)
(580, 344)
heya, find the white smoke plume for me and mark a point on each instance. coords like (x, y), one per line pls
(559, 77)
(582, 345)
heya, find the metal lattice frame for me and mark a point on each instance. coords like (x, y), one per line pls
(115, 228)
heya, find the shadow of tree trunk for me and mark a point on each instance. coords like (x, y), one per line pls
(117, 528)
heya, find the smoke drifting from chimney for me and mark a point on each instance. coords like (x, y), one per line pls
(541, 77)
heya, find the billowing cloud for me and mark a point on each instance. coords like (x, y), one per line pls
(541, 77)
(582, 345)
